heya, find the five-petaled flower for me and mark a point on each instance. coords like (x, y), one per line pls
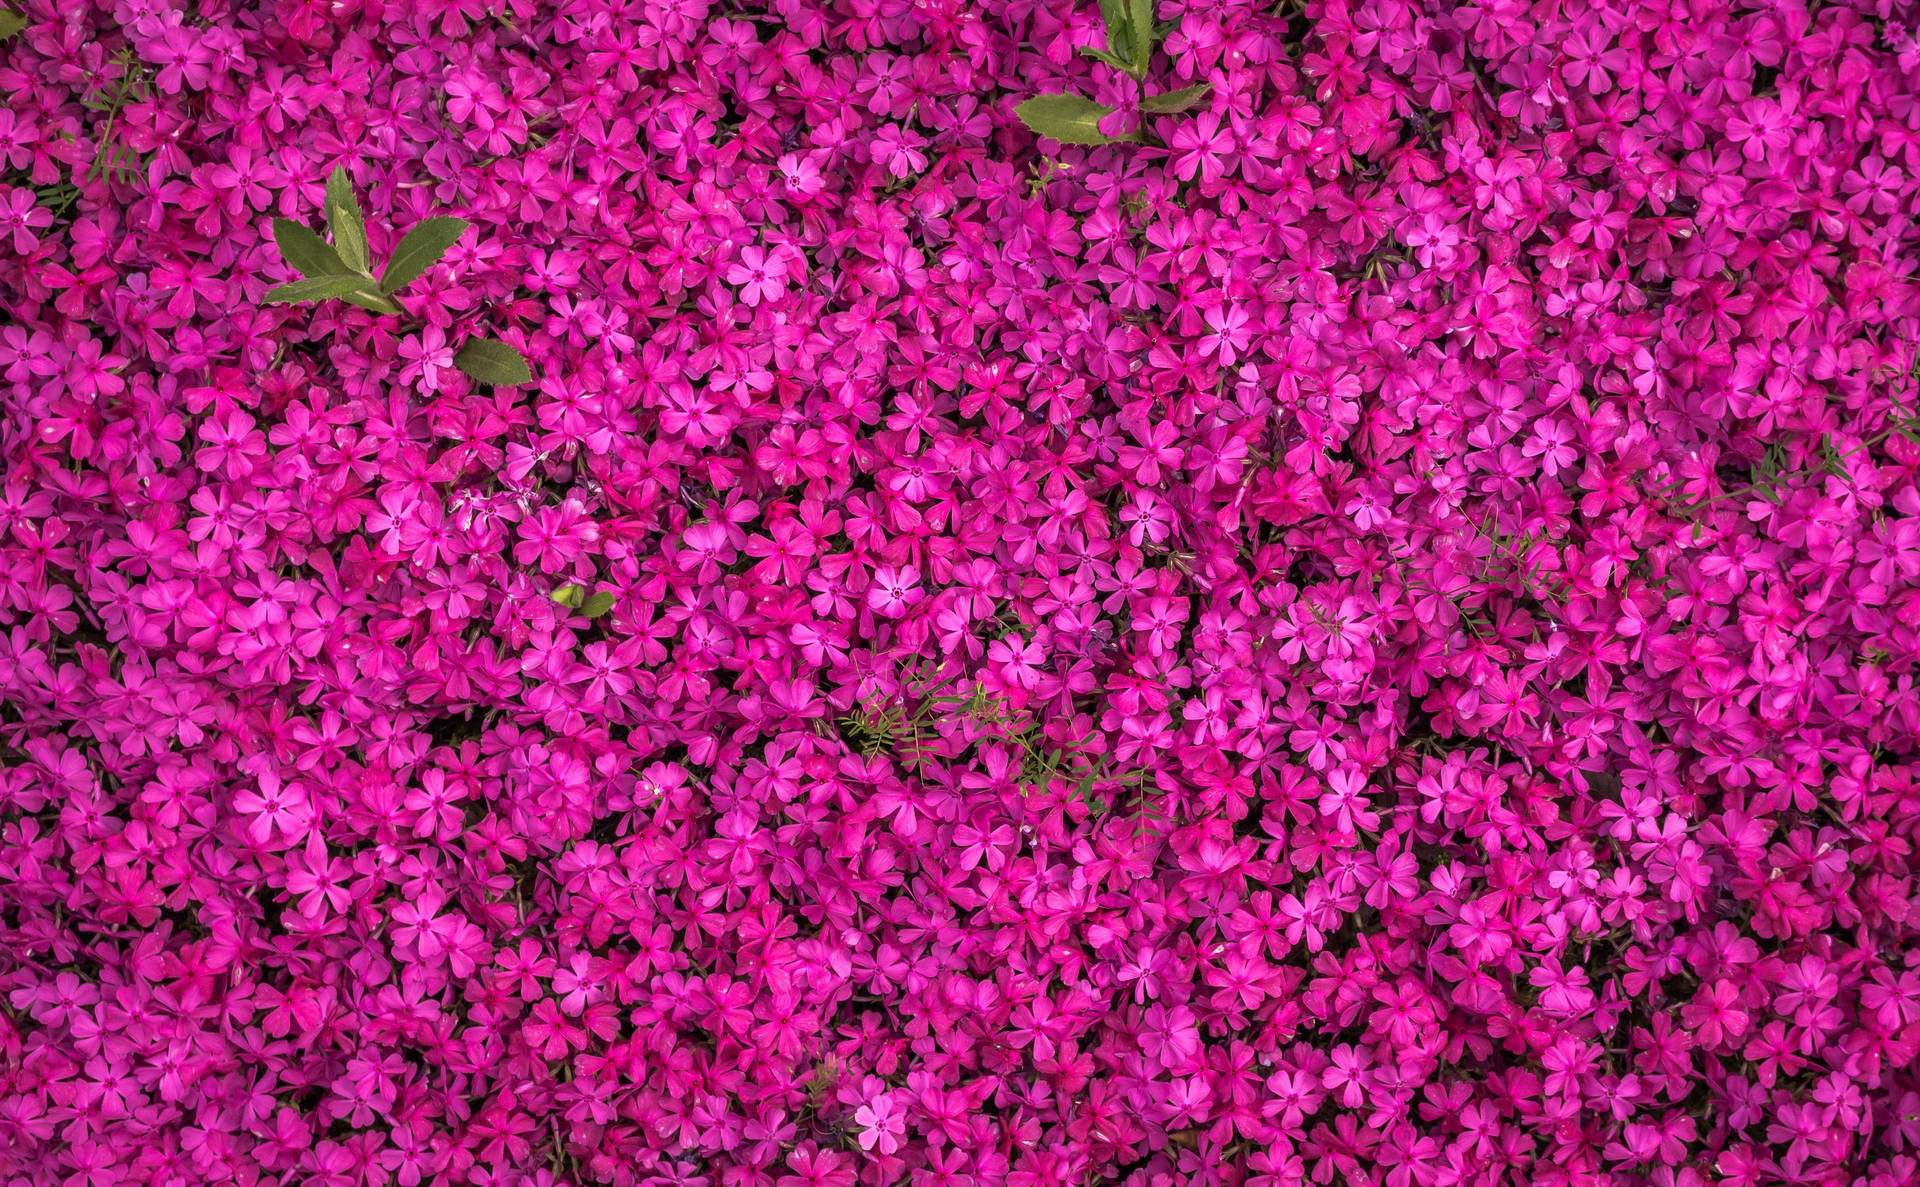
(1364, 634)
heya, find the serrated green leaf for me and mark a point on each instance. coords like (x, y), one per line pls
(306, 252)
(344, 219)
(1070, 119)
(1174, 102)
(320, 288)
(423, 246)
(11, 23)
(493, 362)
(1113, 15)
(1140, 20)
(597, 605)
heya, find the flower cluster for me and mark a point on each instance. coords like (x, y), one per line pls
(409, 781)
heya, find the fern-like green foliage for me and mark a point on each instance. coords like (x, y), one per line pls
(903, 726)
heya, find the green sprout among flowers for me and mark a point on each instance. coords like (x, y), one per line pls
(1516, 552)
(1769, 476)
(1131, 35)
(575, 597)
(903, 726)
(343, 270)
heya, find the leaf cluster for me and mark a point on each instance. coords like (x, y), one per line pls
(1516, 551)
(343, 271)
(903, 725)
(1769, 476)
(1132, 34)
(575, 597)
(822, 1080)
(112, 160)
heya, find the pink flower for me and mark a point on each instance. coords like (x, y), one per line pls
(899, 150)
(20, 214)
(1200, 144)
(801, 176)
(274, 808)
(895, 591)
(428, 354)
(761, 277)
(1017, 660)
(1364, 635)
(881, 1123)
(320, 882)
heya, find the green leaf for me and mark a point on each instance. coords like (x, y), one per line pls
(371, 301)
(344, 219)
(1113, 15)
(569, 596)
(1070, 119)
(1100, 55)
(11, 23)
(1140, 18)
(1174, 102)
(423, 246)
(597, 605)
(1667, 488)
(493, 362)
(307, 252)
(320, 288)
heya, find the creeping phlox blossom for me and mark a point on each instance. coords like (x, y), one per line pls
(1422, 547)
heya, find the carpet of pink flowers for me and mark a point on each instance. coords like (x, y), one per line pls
(334, 850)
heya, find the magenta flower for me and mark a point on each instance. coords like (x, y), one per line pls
(895, 591)
(20, 215)
(1361, 633)
(882, 1124)
(761, 277)
(427, 356)
(273, 808)
(899, 150)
